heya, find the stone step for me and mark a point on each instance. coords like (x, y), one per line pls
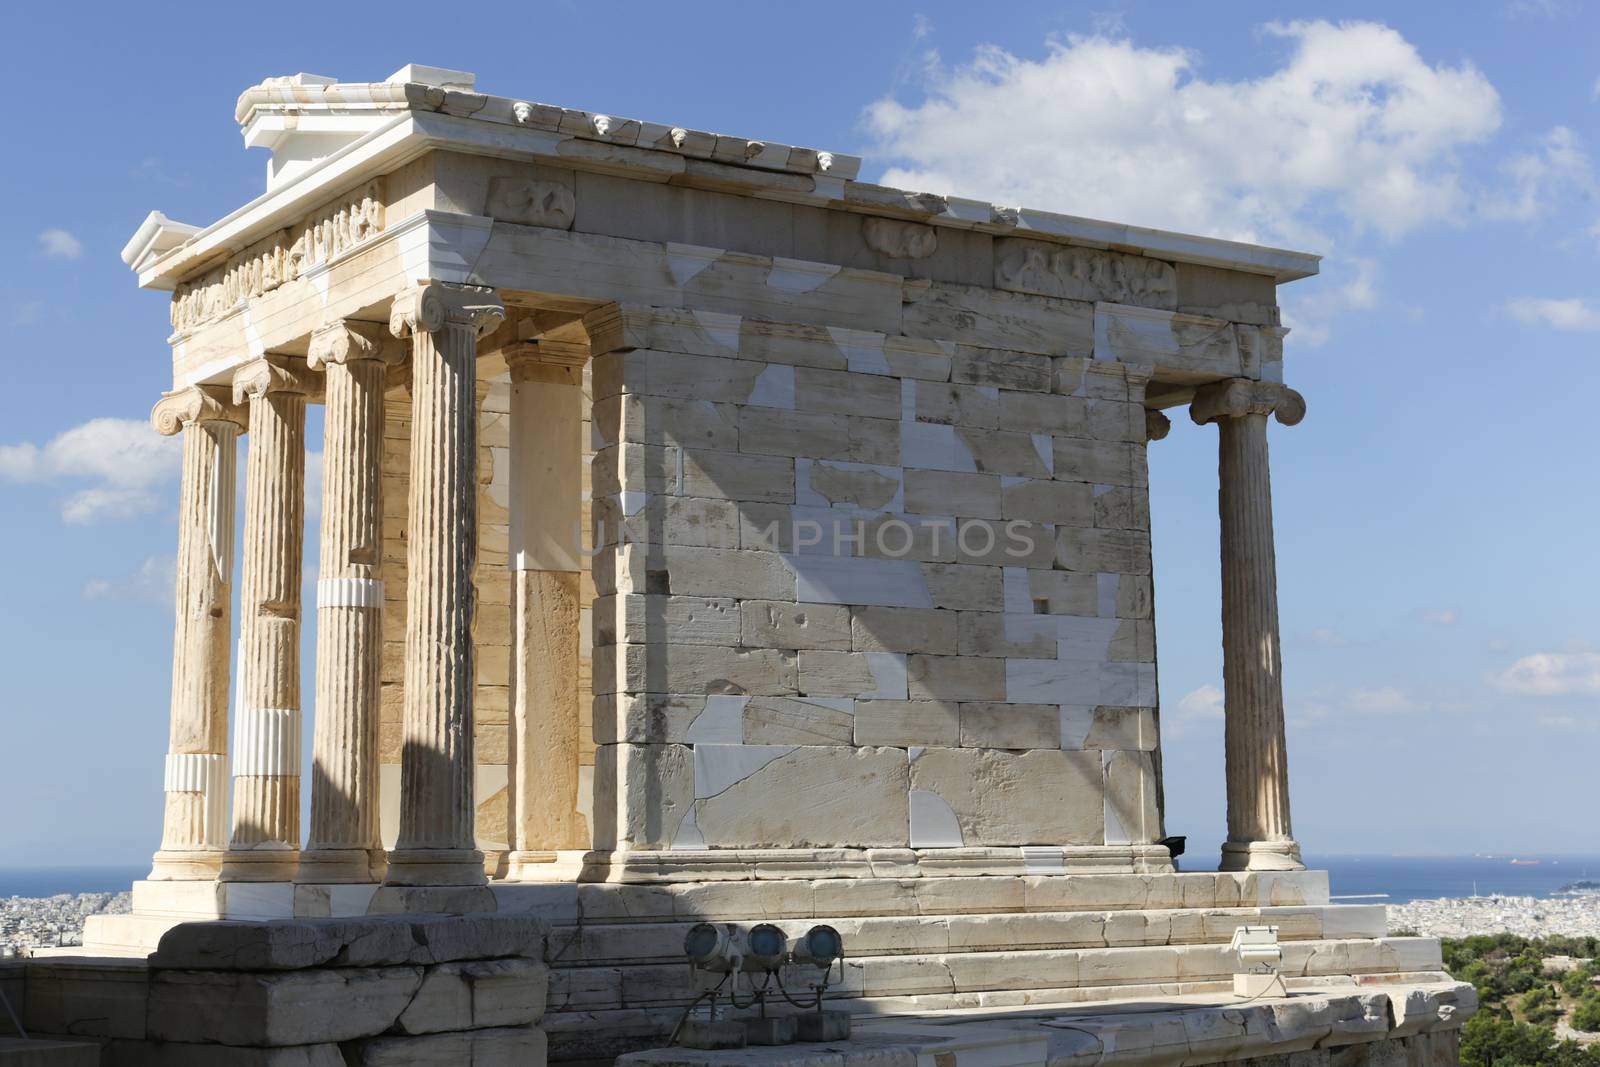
(829, 898)
(23, 1052)
(1408, 1023)
(662, 942)
(595, 988)
(127, 934)
(604, 1033)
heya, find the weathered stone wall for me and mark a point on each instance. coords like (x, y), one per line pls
(867, 590)
(417, 989)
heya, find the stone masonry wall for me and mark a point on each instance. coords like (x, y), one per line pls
(375, 991)
(859, 590)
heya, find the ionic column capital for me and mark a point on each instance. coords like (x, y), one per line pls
(1238, 397)
(198, 403)
(272, 374)
(435, 305)
(346, 341)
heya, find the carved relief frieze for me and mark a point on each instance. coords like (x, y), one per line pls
(531, 203)
(280, 258)
(1072, 273)
(899, 240)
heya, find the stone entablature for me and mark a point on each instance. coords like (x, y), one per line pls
(280, 258)
(582, 162)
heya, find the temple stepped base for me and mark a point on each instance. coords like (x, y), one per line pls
(21, 1052)
(1410, 1027)
(989, 935)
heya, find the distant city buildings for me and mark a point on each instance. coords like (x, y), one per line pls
(46, 922)
(1577, 915)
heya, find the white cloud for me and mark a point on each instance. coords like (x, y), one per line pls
(22, 312)
(1353, 125)
(1548, 9)
(1570, 723)
(1194, 708)
(1537, 179)
(1572, 313)
(921, 26)
(153, 581)
(1328, 637)
(1440, 616)
(124, 460)
(1385, 700)
(59, 244)
(1347, 284)
(1202, 703)
(1551, 674)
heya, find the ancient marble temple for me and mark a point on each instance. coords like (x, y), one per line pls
(707, 533)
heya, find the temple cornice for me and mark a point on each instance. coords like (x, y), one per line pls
(342, 132)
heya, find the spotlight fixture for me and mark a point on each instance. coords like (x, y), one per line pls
(718, 953)
(710, 948)
(820, 947)
(766, 948)
(1259, 954)
(715, 960)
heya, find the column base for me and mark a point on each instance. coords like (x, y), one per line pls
(186, 865)
(435, 867)
(1261, 856)
(340, 866)
(542, 866)
(259, 865)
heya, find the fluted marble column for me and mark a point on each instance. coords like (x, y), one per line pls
(344, 845)
(195, 829)
(1259, 833)
(436, 842)
(266, 750)
(546, 511)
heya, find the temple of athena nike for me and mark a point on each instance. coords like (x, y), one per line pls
(705, 534)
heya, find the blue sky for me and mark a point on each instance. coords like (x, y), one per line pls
(1435, 510)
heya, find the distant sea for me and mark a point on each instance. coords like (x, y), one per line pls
(48, 881)
(1401, 878)
(1404, 878)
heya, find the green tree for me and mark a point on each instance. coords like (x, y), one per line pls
(1490, 1040)
(1586, 1016)
(1539, 1005)
(1575, 982)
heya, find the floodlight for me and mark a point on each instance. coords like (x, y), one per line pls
(766, 947)
(820, 947)
(1259, 954)
(710, 948)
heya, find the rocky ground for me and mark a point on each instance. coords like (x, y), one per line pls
(43, 922)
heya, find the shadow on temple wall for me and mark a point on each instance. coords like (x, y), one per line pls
(956, 732)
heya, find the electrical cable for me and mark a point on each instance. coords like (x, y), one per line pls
(673, 1038)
